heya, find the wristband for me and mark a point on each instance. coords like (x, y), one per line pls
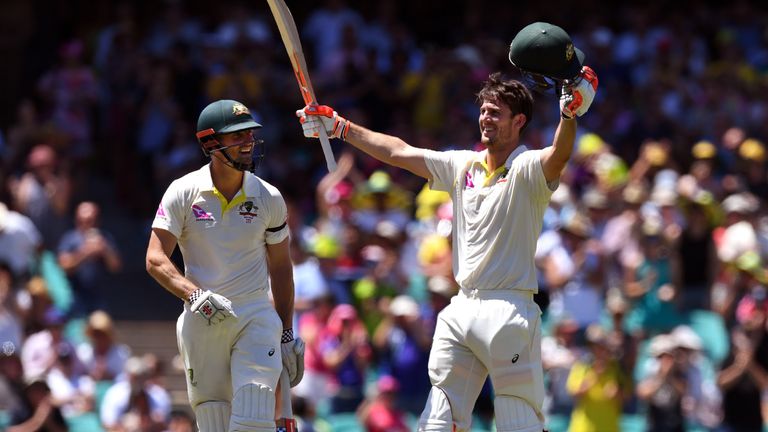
(287, 335)
(195, 295)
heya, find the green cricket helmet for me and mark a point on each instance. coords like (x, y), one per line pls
(223, 117)
(546, 56)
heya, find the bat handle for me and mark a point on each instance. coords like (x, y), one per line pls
(327, 152)
(285, 422)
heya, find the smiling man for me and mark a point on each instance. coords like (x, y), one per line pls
(492, 327)
(231, 228)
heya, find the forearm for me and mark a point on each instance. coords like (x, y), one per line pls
(758, 374)
(380, 146)
(283, 292)
(560, 152)
(169, 277)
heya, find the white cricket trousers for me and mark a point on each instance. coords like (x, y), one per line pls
(482, 332)
(221, 358)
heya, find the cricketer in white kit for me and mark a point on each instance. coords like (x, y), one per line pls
(230, 226)
(492, 327)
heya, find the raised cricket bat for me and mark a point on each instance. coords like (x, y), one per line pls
(292, 43)
(285, 421)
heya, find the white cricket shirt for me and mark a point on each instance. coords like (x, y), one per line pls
(224, 244)
(497, 217)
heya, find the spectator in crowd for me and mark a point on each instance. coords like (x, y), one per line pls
(402, 346)
(102, 355)
(135, 397)
(11, 330)
(346, 352)
(43, 194)
(743, 376)
(313, 325)
(41, 350)
(598, 385)
(40, 414)
(559, 352)
(380, 413)
(88, 254)
(664, 388)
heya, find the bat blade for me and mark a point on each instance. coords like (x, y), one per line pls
(290, 36)
(285, 421)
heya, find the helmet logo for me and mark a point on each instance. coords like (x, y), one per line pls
(238, 109)
(569, 51)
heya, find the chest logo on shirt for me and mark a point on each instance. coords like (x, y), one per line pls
(201, 214)
(248, 211)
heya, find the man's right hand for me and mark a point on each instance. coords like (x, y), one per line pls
(213, 307)
(315, 117)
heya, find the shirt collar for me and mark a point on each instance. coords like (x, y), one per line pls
(480, 159)
(205, 182)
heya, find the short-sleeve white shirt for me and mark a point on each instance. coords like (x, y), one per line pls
(224, 244)
(497, 217)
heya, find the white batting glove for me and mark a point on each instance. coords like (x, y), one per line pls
(213, 307)
(576, 98)
(293, 356)
(314, 117)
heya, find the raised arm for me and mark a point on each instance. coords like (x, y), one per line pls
(386, 148)
(575, 101)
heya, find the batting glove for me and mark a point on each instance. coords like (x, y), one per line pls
(578, 96)
(293, 356)
(213, 307)
(314, 117)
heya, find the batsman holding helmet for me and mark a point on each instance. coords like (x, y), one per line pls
(493, 325)
(231, 228)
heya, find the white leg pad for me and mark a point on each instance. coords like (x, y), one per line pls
(212, 416)
(515, 415)
(437, 414)
(253, 409)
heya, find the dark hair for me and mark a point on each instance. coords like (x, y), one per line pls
(512, 92)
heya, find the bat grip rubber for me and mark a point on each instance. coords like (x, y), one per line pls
(327, 152)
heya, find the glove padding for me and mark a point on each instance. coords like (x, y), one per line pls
(293, 359)
(576, 98)
(213, 307)
(314, 117)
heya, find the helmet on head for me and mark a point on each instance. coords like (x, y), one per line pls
(223, 117)
(545, 55)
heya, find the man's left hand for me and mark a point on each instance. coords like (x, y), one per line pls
(293, 359)
(576, 98)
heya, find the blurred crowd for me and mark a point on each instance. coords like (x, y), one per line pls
(652, 261)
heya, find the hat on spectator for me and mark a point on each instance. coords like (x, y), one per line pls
(441, 285)
(136, 366)
(100, 321)
(752, 149)
(325, 246)
(685, 337)
(54, 317)
(703, 150)
(656, 154)
(404, 305)
(379, 182)
(664, 197)
(743, 202)
(737, 240)
(635, 193)
(662, 344)
(751, 304)
(428, 201)
(387, 383)
(576, 223)
(595, 334)
(589, 144)
(595, 199)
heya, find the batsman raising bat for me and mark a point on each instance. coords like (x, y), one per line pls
(499, 194)
(231, 228)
